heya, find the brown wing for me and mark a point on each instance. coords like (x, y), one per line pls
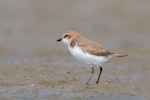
(93, 48)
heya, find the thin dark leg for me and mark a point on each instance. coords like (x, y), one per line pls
(100, 71)
(91, 75)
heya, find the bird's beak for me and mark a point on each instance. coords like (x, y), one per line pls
(59, 39)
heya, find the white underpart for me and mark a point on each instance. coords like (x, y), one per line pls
(88, 58)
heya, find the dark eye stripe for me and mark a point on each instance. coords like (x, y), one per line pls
(66, 36)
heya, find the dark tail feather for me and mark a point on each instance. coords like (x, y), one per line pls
(120, 55)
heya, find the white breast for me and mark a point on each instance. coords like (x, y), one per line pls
(88, 58)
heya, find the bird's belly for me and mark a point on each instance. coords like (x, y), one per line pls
(87, 58)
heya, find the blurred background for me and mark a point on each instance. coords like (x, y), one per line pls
(34, 66)
(30, 28)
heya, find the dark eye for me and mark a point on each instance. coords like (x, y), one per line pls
(66, 36)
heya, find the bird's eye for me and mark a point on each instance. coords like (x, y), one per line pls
(66, 36)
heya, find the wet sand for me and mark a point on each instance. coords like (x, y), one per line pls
(66, 79)
(33, 66)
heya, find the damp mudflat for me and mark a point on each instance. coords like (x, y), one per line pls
(33, 66)
(66, 79)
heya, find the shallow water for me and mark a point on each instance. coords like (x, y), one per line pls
(34, 66)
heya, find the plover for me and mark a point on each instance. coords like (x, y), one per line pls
(88, 51)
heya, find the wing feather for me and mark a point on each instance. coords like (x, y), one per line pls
(92, 48)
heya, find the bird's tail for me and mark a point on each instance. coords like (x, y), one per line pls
(120, 55)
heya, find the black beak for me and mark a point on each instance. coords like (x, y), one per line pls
(59, 39)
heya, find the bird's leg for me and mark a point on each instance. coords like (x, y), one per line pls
(100, 71)
(91, 75)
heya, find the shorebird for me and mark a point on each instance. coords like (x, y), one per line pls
(87, 51)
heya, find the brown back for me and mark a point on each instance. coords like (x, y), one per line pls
(90, 47)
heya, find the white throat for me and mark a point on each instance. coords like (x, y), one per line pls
(66, 41)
